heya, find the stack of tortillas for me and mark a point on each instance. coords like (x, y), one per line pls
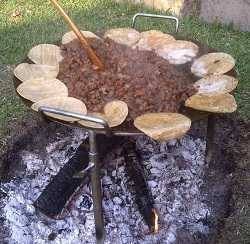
(41, 86)
(214, 88)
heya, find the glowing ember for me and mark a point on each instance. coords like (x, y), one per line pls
(155, 228)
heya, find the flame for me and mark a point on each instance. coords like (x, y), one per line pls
(155, 227)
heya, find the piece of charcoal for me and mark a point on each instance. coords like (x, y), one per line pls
(58, 192)
(136, 173)
(86, 202)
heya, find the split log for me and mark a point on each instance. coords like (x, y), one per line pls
(59, 191)
(137, 175)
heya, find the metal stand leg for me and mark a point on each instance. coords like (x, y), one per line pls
(210, 138)
(93, 165)
(96, 189)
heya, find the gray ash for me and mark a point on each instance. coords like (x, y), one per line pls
(175, 175)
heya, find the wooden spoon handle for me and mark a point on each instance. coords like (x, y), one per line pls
(91, 54)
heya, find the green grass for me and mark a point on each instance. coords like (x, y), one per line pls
(39, 23)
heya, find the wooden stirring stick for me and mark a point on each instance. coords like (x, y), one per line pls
(91, 54)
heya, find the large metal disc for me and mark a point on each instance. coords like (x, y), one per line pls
(25, 71)
(115, 112)
(163, 126)
(216, 84)
(153, 39)
(217, 103)
(45, 54)
(36, 90)
(126, 36)
(70, 36)
(213, 64)
(178, 52)
(64, 103)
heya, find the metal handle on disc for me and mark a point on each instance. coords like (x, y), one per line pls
(88, 118)
(158, 17)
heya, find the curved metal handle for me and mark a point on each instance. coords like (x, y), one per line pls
(99, 121)
(158, 17)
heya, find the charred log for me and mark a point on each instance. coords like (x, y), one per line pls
(137, 175)
(59, 191)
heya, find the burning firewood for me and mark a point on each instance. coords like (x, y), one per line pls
(143, 196)
(59, 191)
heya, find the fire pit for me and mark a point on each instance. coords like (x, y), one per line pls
(49, 96)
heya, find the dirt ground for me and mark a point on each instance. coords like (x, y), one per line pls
(235, 135)
(230, 178)
(237, 224)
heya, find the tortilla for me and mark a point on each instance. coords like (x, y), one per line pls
(70, 36)
(178, 52)
(70, 104)
(153, 39)
(125, 36)
(115, 112)
(213, 64)
(216, 84)
(25, 72)
(45, 54)
(163, 126)
(217, 103)
(36, 90)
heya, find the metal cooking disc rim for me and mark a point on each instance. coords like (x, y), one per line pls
(121, 130)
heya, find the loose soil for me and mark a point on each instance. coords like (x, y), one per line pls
(145, 81)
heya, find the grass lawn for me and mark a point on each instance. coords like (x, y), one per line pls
(24, 24)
